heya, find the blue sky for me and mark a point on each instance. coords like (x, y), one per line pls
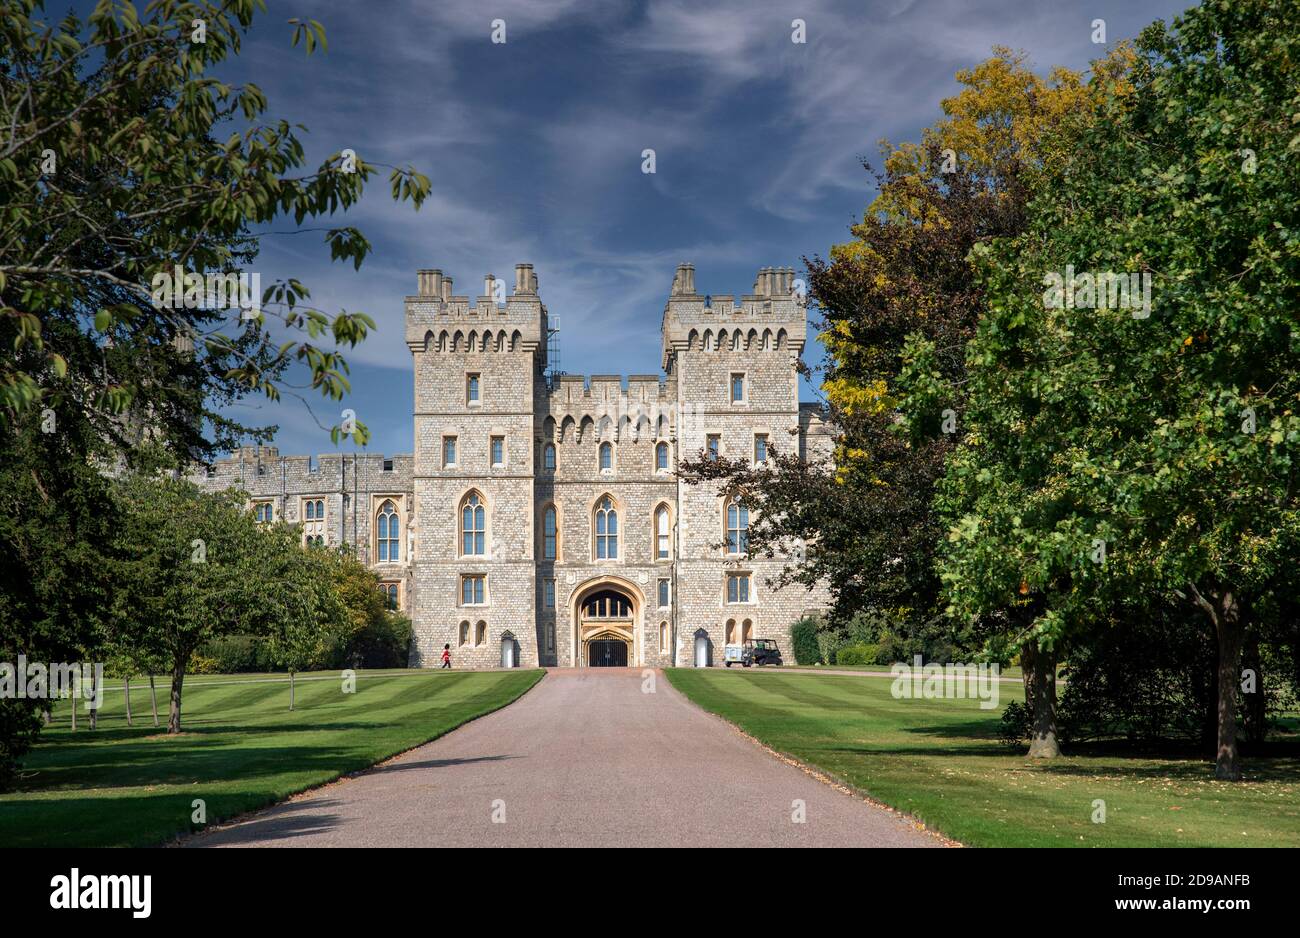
(534, 150)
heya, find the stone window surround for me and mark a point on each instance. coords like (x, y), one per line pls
(486, 504)
(620, 543)
(654, 533)
(726, 580)
(403, 547)
(559, 533)
(460, 591)
(743, 400)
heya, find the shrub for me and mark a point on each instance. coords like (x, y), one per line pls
(803, 641)
(383, 643)
(1015, 724)
(227, 654)
(860, 653)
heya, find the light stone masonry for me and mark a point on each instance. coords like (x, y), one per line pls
(529, 513)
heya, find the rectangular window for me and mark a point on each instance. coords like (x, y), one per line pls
(737, 587)
(471, 388)
(737, 387)
(760, 449)
(388, 465)
(498, 451)
(448, 451)
(548, 594)
(472, 590)
(713, 445)
(663, 594)
(550, 639)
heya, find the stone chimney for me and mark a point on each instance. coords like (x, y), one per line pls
(684, 280)
(525, 279)
(430, 282)
(446, 289)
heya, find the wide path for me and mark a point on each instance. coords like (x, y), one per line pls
(585, 758)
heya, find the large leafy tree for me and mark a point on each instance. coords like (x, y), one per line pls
(122, 156)
(127, 157)
(1111, 454)
(897, 305)
(204, 568)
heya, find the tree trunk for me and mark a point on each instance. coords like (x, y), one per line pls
(1224, 613)
(153, 698)
(127, 681)
(290, 690)
(1227, 765)
(174, 712)
(1040, 697)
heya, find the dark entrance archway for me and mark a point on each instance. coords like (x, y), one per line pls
(608, 617)
(607, 653)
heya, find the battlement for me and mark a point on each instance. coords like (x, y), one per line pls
(582, 391)
(437, 319)
(772, 317)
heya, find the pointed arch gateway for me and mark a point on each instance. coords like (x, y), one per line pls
(608, 614)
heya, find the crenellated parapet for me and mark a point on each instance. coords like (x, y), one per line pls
(772, 317)
(439, 320)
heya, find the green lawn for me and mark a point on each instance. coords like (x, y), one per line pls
(241, 749)
(941, 761)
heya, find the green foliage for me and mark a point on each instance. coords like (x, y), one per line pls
(128, 156)
(385, 642)
(1169, 439)
(803, 641)
(856, 654)
(232, 654)
(1013, 729)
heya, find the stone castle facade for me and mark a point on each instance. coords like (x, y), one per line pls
(541, 512)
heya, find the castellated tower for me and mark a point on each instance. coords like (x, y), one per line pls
(734, 367)
(477, 366)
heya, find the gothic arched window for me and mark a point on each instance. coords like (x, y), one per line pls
(737, 528)
(473, 525)
(606, 456)
(661, 456)
(550, 533)
(388, 534)
(663, 533)
(606, 529)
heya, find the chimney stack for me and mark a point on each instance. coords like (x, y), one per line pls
(446, 289)
(684, 280)
(525, 279)
(430, 282)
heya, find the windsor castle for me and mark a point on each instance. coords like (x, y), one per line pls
(540, 512)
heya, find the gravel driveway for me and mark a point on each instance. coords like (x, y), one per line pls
(584, 759)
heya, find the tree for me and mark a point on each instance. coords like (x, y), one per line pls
(57, 551)
(124, 158)
(310, 619)
(1114, 451)
(127, 159)
(898, 305)
(207, 569)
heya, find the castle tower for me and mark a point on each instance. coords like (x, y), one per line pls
(735, 368)
(477, 367)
